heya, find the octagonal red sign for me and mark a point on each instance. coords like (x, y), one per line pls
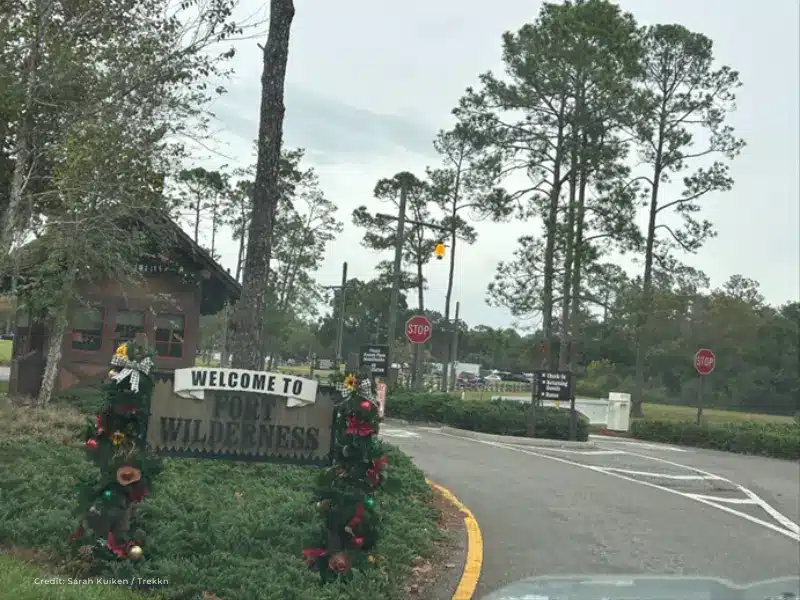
(418, 329)
(704, 361)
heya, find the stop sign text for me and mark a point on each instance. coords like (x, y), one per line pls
(418, 329)
(704, 361)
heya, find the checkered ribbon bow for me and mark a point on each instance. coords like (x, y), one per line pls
(132, 369)
(364, 390)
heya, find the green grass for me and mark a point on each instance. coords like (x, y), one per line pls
(235, 529)
(712, 416)
(21, 580)
(5, 351)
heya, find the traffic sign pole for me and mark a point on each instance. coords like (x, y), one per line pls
(704, 363)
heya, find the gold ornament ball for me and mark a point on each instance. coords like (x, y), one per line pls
(135, 552)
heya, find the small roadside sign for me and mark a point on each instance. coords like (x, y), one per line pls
(375, 356)
(554, 385)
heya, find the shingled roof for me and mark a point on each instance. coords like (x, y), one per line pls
(220, 285)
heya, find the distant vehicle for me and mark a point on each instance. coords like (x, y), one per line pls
(520, 377)
(493, 378)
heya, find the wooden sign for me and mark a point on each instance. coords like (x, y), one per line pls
(237, 414)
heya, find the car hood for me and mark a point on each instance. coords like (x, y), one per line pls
(640, 587)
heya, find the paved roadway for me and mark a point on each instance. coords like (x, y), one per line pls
(620, 507)
(5, 373)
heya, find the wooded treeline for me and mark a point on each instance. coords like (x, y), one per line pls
(595, 122)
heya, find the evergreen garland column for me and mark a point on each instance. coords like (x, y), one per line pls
(347, 491)
(115, 441)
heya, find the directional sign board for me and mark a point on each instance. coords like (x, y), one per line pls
(554, 385)
(704, 361)
(375, 356)
(418, 329)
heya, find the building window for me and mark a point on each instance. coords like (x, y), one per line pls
(169, 336)
(87, 328)
(127, 324)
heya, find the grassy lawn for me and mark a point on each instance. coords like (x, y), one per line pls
(22, 580)
(5, 351)
(234, 529)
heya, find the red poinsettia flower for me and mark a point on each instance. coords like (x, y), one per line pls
(356, 426)
(119, 549)
(359, 514)
(312, 555)
(374, 473)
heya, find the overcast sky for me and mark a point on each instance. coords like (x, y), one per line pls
(369, 84)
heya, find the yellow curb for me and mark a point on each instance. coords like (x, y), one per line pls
(472, 565)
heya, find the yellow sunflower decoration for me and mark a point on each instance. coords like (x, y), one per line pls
(117, 437)
(122, 350)
(351, 383)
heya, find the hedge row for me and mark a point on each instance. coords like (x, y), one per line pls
(777, 440)
(500, 417)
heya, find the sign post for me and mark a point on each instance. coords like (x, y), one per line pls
(704, 363)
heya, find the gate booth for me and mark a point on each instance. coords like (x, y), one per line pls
(177, 286)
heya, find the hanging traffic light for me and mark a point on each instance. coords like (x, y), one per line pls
(438, 251)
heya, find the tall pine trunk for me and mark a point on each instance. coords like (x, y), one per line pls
(645, 299)
(448, 358)
(248, 335)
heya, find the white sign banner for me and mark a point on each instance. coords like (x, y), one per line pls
(193, 382)
(381, 390)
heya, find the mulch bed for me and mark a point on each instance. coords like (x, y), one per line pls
(426, 572)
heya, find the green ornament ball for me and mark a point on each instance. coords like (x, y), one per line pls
(107, 494)
(370, 502)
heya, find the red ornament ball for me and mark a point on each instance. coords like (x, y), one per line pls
(91, 444)
(366, 405)
(358, 542)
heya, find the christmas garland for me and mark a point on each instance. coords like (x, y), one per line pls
(115, 441)
(346, 490)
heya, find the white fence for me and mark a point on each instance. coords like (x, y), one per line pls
(613, 413)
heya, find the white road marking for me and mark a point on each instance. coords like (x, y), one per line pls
(723, 500)
(664, 475)
(568, 451)
(614, 440)
(398, 433)
(789, 532)
(770, 510)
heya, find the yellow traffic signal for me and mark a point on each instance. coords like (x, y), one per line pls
(439, 251)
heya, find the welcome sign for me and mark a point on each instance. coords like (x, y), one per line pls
(241, 414)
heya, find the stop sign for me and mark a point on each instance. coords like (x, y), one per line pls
(418, 329)
(704, 361)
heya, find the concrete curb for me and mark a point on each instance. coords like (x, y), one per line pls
(519, 441)
(471, 572)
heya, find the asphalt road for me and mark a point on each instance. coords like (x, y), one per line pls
(621, 507)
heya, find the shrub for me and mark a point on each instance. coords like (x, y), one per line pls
(777, 440)
(501, 417)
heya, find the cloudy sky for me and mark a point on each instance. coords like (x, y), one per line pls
(369, 84)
